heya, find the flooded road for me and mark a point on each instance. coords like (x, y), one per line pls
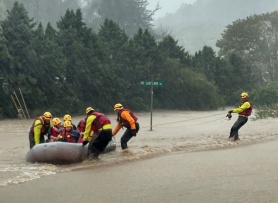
(172, 131)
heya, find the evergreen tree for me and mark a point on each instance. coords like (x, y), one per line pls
(18, 33)
(129, 14)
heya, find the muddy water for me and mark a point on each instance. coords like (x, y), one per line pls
(172, 131)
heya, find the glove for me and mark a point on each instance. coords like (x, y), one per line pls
(85, 142)
(231, 111)
(133, 132)
(229, 116)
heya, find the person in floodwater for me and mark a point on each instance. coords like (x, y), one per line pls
(127, 119)
(67, 117)
(81, 128)
(244, 110)
(55, 130)
(98, 133)
(39, 128)
(69, 134)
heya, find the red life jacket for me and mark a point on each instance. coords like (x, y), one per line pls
(124, 122)
(99, 121)
(67, 137)
(55, 131)
(82, 125)
(247, 112)
(45, 126)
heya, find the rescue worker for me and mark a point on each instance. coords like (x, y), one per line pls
(98, 132)
(244, 110)
(39, 128)
(127, 119)
(67, 117)
(81, 128)
(69, 134)
(55, 130)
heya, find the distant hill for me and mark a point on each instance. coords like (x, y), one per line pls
(201, 23)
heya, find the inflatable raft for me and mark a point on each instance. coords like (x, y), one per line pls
(62, 152)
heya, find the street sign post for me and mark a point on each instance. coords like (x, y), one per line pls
(152, 83)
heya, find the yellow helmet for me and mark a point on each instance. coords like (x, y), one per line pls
(67, 124)
(118, 107)
(89, 109)
(56, 121)
(67, 117)
(47, 114)
(244, 95)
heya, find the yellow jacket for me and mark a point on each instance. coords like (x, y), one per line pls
(242, 107)
(37, 130)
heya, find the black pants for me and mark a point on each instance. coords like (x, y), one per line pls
(237, 125)
(32, 139)
(98, 145)
(127, 136)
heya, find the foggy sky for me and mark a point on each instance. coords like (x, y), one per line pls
(167, 6)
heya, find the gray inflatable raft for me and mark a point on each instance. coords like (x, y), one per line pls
(62, 152)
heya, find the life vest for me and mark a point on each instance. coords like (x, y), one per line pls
(82, 125)
(124, 122)
(55, 131)
(246, 112)
(45, 126)
(69, 136)
(99, 121)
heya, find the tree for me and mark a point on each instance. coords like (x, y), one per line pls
(84, 53)
(6, 108)
(129, 14)
(255, 39)
(18, 33)
(170, 48)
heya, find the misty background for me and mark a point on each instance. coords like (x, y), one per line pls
(196, 23)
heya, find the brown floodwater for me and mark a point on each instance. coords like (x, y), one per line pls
(172, 131)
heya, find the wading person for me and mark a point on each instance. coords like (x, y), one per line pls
(81, 128)
(39, 128)
(127, 119)
(244, 110)
(98, 132)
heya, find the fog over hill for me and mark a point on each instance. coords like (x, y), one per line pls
(201, 23)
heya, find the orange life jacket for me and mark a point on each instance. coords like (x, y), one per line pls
(124, 122)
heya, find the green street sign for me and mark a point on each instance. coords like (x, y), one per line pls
(157, 83)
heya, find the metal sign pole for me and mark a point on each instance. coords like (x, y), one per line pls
(152, 83)
(151, 124)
